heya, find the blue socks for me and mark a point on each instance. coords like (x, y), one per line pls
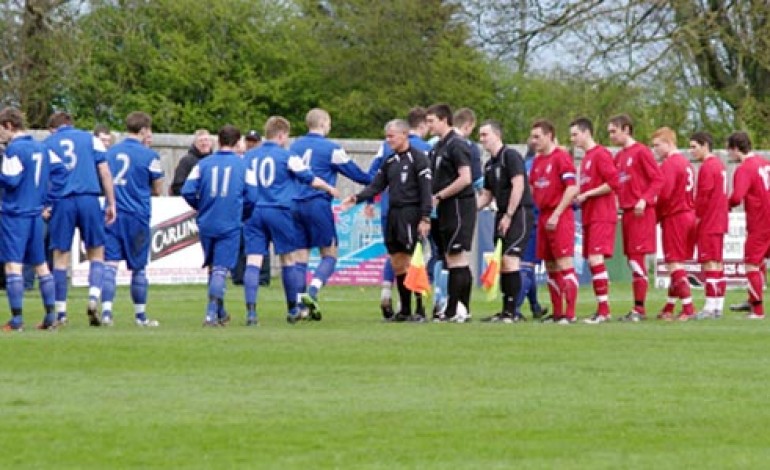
(108, 289)
(139, 287)
(48, 294)
(323, 272)
(14, 286)
(251, 287)
(61, 284)
(290, 275)
(216, 293)
(302, 267)
(387, 272)
(95, 275)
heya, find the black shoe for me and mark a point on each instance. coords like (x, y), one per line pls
(387, 312)
(93, 317)
(540, 313)
(547, 318)
(518, 318)
(496, 318)
(401, 317)
(741, 307)
(417, 318)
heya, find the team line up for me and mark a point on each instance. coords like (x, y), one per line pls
(281, 194)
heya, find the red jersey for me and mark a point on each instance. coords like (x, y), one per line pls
(596, 169)
(638, 174)
(751, 185)
(711, 196)
(549, 177)
(678, 191)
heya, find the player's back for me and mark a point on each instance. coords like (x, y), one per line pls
(219, 182)
(27, 164)
(81, 152)
(754, 173)
(678, 192)
(278, 173)
(711, 205)
(326, 160)
(419, 143)
(134, 167)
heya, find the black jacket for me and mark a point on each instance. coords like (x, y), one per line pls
(407, 176)
(185, 166)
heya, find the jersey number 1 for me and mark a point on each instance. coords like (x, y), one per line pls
(215, 191)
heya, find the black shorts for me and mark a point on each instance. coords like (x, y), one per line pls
(401, 235)
(519, 231)
(456, 221)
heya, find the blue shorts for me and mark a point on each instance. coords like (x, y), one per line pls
(221, 250)
(315, 222)
(128, 239)
(83, 212)
(269, 224)
(23, 239)
(530, 252)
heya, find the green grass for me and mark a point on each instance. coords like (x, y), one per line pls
(352, 392)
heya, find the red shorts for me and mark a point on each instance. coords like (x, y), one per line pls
(756, 248)
(678, 235)
(599, 239)
(559, 243)
(710, 247)
(639, 232)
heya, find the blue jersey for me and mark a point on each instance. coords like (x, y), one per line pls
(326, 160)
(81, 152)
(216, 188)
(134, 168)
(31, 173)
(278, 176)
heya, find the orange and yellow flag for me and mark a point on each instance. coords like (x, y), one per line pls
(490, 280)
(417, 274)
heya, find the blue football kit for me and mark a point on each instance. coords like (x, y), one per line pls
(31, 176)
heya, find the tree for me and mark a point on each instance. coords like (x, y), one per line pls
(378, 59)
(238, 62)
(713, 55)
(35, 52)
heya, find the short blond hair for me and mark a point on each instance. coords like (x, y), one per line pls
(316, 118)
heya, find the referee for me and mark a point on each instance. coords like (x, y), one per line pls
(406, 174)
(455, 203)
(505, 181)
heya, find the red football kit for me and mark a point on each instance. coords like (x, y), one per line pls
(639, 177)
(549, 178)
(711, 209)
(600, 213)
(751, 185)
(600, 216)
(676, 208)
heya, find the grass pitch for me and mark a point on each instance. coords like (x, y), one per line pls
(352, 392)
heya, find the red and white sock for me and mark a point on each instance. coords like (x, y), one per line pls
(601, 284)
(640, 282)
(682, 290)
(756, 282)
(569, 290)
(554, 289)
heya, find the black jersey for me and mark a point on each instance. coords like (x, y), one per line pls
(407, 176)
(449, 154)
(498, 172)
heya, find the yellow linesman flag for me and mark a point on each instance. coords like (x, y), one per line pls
(417, 274)
(490, 280)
